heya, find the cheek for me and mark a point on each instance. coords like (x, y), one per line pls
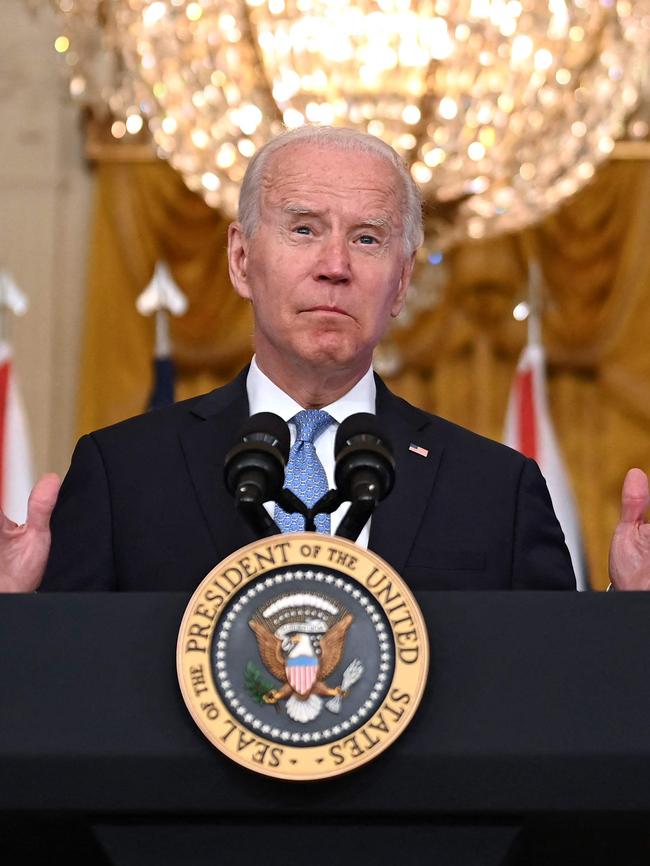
(277, 273)
(379, 300)
(272, 302)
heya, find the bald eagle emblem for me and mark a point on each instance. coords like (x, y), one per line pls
(301, 638)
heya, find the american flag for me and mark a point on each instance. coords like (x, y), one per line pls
(418, 449)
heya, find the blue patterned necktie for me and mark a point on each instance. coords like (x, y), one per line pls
(305, 475)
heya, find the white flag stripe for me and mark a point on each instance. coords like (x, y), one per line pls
(17, 472)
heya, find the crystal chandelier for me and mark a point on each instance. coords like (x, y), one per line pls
(502, 108)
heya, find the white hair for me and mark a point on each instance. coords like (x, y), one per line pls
(339, 138)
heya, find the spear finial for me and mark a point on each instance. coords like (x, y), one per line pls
(163, 297)
(12, 299)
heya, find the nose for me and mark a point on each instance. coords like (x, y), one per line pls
(333, 263)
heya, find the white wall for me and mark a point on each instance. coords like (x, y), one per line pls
(45, 200)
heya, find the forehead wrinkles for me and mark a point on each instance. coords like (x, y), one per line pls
(358, 188)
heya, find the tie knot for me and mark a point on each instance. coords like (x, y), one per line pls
(309, 423)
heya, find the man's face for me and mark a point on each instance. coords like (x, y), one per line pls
(326, 268)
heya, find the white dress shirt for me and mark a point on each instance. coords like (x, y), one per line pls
(265, 396)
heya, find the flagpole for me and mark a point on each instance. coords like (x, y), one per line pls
(4, 326)
(163, 348)
(535, 300)
(12, 300)
(162, 298)
(3, 306)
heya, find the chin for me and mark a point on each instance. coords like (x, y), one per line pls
(329, 353)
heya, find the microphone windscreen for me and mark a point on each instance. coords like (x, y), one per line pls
(270, 428)
(360, 424)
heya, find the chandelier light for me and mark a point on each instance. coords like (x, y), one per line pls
(501, 108)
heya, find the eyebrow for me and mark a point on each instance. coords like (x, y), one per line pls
(377, 222)
(303, 210)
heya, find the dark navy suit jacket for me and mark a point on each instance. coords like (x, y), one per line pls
(144, 507)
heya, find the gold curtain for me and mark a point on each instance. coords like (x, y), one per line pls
(457, 359)
(144, 213)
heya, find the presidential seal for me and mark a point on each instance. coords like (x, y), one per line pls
(302, 656)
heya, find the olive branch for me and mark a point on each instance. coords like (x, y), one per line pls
(256, 683)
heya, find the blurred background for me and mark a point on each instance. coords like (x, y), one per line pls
(126, 127)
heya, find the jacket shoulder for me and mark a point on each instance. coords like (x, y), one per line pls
(171, 420)
(449, 434)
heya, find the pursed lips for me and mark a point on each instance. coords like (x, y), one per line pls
(325, 308)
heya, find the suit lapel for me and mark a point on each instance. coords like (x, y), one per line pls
(218, 418)
(220, 415)
(397, 519)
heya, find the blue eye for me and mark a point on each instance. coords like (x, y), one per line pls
(302, 230)
(367, 240)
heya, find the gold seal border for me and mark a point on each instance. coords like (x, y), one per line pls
(310, 551)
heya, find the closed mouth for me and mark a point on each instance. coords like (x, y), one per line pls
(324, 308)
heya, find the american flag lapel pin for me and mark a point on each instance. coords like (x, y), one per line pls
(418, 449)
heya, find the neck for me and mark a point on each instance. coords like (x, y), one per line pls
(312, 389)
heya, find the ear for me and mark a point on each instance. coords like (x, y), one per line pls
(404, 283)
(238, 260)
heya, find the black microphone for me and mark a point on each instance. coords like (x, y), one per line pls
(254, 468)
(364, 473)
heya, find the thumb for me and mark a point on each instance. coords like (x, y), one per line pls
(635, 496)
(42, 501)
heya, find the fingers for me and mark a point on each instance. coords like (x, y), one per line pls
(42, 501)
(635, 496)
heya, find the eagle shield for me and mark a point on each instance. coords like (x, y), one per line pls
(301, 640)
(301, 673)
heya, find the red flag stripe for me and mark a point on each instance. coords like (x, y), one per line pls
(526, 413)
(5, 370)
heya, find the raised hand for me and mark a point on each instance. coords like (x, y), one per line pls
(24, 549)
(629, 554)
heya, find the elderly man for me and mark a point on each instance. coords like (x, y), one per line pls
(329, 224)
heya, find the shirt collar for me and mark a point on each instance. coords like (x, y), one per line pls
(265, 396)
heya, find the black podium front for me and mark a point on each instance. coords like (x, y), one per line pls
(532, 743)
